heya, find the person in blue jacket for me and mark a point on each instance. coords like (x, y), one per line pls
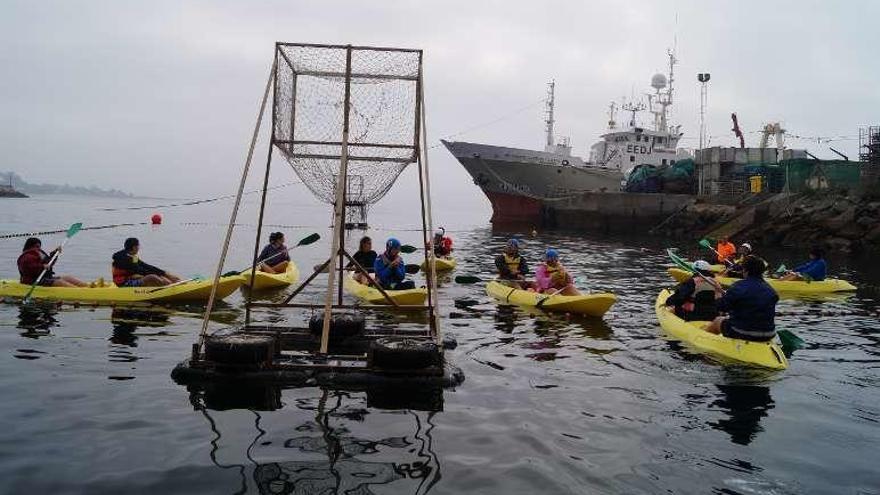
(811, 271)
(750, 305)
(390, 268)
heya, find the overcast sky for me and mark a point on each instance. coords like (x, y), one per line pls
(159, 97)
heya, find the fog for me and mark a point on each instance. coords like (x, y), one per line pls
(159, 98)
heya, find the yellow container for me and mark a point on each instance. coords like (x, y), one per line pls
(756, 183)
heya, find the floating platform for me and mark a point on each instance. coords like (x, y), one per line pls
(289, 356)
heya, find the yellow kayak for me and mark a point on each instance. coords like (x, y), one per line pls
(587, 304)
(781, 286)
(195, 291)
(440, 264)
(764, 354)
(265, 280)
(372, 295)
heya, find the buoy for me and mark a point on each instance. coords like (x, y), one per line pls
(156, 219)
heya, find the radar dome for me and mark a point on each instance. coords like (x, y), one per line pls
(658, 81)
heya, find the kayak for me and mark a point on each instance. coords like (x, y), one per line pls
(371, 295)
(587, 304)
(763, 354)
(265, 280)
(195, 291)
(440, 264)
(780, 286)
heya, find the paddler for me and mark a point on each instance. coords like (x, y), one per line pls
(736, 269)
(750, 305)
(130, 271)
(811, 271)
(274, 257)
(726, 250)
(390, 268)
(442, 243)
(551, 277)
(33, 260)
(511, 265)
(694, 299)
(366, 257)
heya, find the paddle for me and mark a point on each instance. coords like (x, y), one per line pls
(708, 245)
(410, 269)
(70, 233)
(407, 249)
(467, 279)
(305, 241)
(788, 339)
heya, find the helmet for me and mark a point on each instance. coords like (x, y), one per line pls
(392, 244)
(747, 246)
(702, 265)
(551, 254)
(513, 243)
(440, 232)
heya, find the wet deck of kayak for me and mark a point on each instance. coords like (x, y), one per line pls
(551, 404)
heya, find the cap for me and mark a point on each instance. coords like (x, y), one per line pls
(392, 244)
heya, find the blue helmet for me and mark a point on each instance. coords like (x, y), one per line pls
(392, 244)
(513, 243)
(551, 254)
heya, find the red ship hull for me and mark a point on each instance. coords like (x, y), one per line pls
(510, 208)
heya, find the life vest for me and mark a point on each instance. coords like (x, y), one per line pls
(726, 250)
(29, 270)
(120, 276)
(557, 274)
(512, 263)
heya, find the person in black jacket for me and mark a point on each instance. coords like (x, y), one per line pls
(130, 271)
(366, 257)
(694, 299)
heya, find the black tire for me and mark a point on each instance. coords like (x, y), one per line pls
(240, 349)
(342, 325)
(404, 353)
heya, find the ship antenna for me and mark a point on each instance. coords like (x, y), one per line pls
(551, 100)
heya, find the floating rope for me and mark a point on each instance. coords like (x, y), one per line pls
(59, 231)
(197, 201)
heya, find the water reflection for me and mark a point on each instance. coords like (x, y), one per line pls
(36, 320)
(745, 406)
(327, 456)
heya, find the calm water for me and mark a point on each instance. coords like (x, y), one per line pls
(550, 404)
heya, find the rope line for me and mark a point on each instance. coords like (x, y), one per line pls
(197, 201)
(59, 231)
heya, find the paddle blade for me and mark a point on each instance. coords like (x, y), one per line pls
(407, 249)
(74, 229)
(790, 341)
(411, 269)
(680, 262)
(467, 279)
(305, 241)
(781, 268)
(705, 243)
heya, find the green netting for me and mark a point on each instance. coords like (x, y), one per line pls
(804, 174)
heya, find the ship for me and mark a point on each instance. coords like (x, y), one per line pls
(522, 183)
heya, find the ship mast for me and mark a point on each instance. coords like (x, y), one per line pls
(551, 99)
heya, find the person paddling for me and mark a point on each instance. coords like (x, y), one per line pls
(275, 255)
(750, 305)
(726, 250)
(736, 269)
(366, 257)
(442, 243)
(510, 264)
(33, 260)
(130, 271)
(811, 271)
(694, 299)
(551, 277)
(390, 268)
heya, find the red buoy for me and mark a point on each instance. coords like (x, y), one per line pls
(156, 219)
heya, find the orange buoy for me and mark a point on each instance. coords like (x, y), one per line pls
(156, 219)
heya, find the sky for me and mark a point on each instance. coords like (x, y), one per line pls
(159, 98)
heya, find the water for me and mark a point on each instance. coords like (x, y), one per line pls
(551, 404)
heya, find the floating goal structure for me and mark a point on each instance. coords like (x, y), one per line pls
(348, 120)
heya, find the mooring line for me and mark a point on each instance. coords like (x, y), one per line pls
(58, 231)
